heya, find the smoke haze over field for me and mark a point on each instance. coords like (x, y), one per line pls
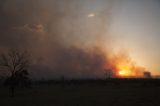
(65, 37)
(58, 33)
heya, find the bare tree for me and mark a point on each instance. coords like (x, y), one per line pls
(16, 62)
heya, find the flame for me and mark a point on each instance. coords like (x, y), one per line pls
(124, 70)
(123, 66)
(124, 73)
(129, 70)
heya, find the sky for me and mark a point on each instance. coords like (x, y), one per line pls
(136, 27)
(83, 38)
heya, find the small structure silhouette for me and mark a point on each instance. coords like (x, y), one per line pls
(147, 74)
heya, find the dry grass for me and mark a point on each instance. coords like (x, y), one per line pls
(83, 95)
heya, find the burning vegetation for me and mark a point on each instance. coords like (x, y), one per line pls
(124, 66)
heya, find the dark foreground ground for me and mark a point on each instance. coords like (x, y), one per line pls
(84, 94)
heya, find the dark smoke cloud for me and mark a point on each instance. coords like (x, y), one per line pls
(63, 40)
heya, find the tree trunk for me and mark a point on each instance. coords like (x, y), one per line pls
(12, 91)
(12, 86)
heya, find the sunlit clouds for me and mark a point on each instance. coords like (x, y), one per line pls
(91, 15)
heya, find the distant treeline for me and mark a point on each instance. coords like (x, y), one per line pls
(110, 81)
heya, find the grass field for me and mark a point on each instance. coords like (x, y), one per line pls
(83, 95)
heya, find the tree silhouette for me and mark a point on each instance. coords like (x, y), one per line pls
(17, 63)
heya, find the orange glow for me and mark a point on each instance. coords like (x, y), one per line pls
(128, 70)
(124, 70)
(124, 73)
(124, 67)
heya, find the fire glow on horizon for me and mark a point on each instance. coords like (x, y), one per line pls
(123, 65)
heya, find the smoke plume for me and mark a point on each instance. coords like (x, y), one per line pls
(65, 37)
